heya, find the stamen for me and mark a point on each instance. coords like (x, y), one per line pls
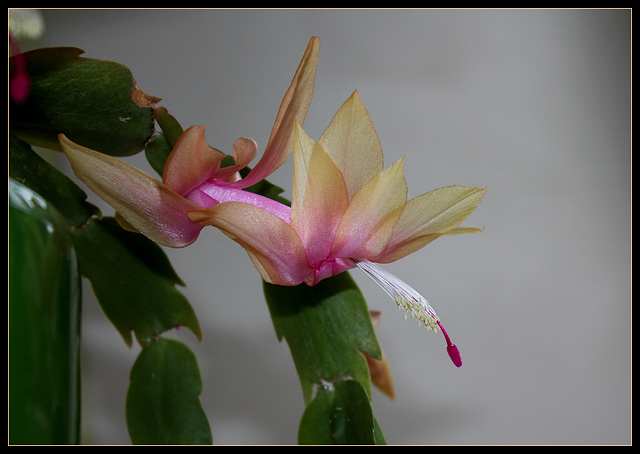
(409, 300)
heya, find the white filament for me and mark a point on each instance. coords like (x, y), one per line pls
(405, 297)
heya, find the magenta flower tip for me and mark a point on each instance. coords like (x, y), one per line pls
(454, 354)
(452, 350)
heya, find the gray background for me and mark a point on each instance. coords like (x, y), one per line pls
(533, 104)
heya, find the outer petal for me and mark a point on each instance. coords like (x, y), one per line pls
(191, 161)
(293, 108)
(320, 197)
(373, 211)
(353, 144)
(147, 204)
(274, 247)
(429, 216)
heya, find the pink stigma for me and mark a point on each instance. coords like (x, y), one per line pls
(452, 350)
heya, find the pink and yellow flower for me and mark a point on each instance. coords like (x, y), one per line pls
(345, 208)
(347, 211)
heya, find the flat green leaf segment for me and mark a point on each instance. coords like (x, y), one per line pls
(159, 148)
(93, 102)
(340, 414)
(163, 400)
(133, 281)
(327, 328)
(44, 323)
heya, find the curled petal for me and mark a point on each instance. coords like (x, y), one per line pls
(273, 246)
(430, 216)
(293, 108)
(148, 205)
(191, 161)
(244, 150)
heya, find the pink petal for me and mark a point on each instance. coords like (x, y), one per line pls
(244, 150)
(145, 203)
(191, 161)
(214, 194)
(320, 197)
(293, 108)
(273, 246)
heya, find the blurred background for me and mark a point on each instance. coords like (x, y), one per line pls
(535, 105)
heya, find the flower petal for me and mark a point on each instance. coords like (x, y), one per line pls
(429, 216)
(320, 196)
(273, 246)
(353, 144)
(302, 146)
(244, 150)
(145, 203)
(293, 108)
(373, 211)
(191, 161)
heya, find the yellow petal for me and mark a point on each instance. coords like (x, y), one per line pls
(353, 144)
(320, 197)
(302, 146)
(272, 245)
(372, 213)
(429, 216)
(145, 203)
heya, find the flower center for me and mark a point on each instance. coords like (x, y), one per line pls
(329, 267)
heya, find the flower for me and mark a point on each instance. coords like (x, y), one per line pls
(345, 208)
(193, 174)
(346, 211)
